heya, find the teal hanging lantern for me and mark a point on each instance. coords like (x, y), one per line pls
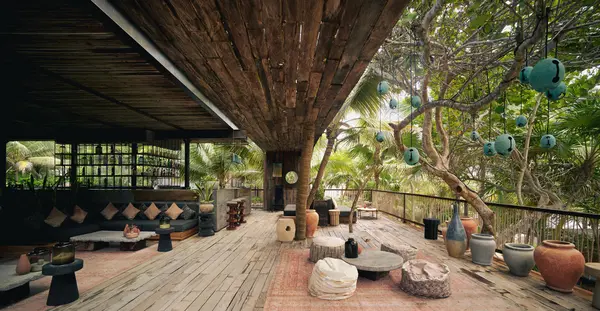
(521, 121)
(379, 136)
(548, 141)
(489, 149)
(504, 144)
(474, 136)
(411, 156)
(393, 103)
(415, 101)
(524, 74)
(383, 87)
(547, 74)
(557, 92)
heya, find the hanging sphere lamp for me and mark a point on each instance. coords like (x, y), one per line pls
(383, 87)
(548, 141)
(489, 149)
(415, 101)
(474, 136)
(393, 103)
(379, 136)
(521, 121)
(411, 156)
(524, 74)
(557, 92)
(504, 144)
(547, 74)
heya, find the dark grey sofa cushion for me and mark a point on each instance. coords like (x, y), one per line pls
(179, 225)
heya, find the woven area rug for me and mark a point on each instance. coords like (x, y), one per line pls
(289, 291)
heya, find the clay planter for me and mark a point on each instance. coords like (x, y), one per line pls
(286, 229)
(560, 264)
(312, 221)
(206, 207)
(470, 227)
(23, 265)
(518, 258)
(483, 248)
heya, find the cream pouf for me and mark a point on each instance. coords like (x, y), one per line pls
(286, 229)
(332, 279)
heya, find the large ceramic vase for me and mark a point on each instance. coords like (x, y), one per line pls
(23, 265)
(483, 248)
(456, 237)
(351, 248)
(312, 221)
(518, 258)
(470, 227)
(206, 207)
(560, 264)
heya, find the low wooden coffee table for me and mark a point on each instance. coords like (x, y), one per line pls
(99, 239)
(374, 212)
(374, 265)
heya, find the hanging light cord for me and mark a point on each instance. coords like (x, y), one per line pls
(381, 72)
(504, 113)
(487, 78)
(410, 60)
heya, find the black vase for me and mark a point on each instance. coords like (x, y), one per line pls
(351, 249)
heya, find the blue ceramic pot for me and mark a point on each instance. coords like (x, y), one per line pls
(456, 236)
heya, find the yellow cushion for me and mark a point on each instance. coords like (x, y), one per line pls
(130, 211)
(174, 211)
(109, 211)
(152, 211)
(78, 214)
(56, 218)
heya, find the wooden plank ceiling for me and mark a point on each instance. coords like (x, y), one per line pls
(71, 68)
(268, 63)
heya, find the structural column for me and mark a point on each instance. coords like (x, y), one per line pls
(2, 165)
(278, 192)
(187, 164)
(73, 168)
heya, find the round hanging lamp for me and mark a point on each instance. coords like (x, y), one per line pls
(489, 149)
(415, 101)
(383, 87)
(411, 156)
(547, 74)
(521, 121)
(548, 141)
(474, 136)
(524, 74)
(393, 103)
(504, 144)
(379, 136)
(557, 92)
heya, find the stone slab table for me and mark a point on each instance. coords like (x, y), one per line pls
(63, 289)
(593, 269)
(104, 237)
(15, 287)
(374, 265)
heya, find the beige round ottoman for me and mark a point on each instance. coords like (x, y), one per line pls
(326, 246)
(286, 229)
(332, 279)
(334, 217)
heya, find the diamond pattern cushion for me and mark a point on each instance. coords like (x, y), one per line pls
(130, 211)
(152, 211)
(174, 211)
(78, 215)
(55, 218)
(109, 211)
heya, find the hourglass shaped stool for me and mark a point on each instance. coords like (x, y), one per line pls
(63, 289)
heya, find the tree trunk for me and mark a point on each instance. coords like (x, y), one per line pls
(353, 207)
(331, 138)
(308, 136)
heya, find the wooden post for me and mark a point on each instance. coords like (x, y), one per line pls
(404, 208)
(187, 164)
(2, 166)
(73, 168)
(308, 137)
(134, 151)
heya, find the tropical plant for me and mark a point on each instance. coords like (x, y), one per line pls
(26, 158)
(204, 191)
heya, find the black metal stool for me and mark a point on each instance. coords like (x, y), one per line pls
(164, 239)
(63, 288)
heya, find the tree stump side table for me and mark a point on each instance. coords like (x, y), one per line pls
(206, 224)
(233, 215)
(326, 246)
(164, 239)
(63, 288)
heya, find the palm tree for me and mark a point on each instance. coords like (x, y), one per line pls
(29, 157)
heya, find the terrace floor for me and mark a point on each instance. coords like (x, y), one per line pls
(248, 269)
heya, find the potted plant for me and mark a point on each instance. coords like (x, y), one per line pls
(204, 192)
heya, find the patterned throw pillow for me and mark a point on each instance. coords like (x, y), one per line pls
(174, 211)
(109, 211)
(130, 211)
(55, 218)
(78, 215)
(188, 213)
(152, 211)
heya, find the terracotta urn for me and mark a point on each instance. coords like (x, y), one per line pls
(560, 264)
(470, 227)
(360, 249)
(23, 265)
(312, 221)
(206, 207)
(444, 229)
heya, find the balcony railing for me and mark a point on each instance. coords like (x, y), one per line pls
(520, 224)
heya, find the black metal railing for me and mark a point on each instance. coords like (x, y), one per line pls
(520, 224)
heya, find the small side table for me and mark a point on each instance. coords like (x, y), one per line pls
(206, 224)
(334, 217)
(63, 288)
(164, 239)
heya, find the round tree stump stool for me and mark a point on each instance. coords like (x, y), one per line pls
(405, 251)
(334, 217)
(426, 279)
(326, 246)
(164, 239)
(286, 229)
(332, 279)
(593, 269)
(63, 288)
